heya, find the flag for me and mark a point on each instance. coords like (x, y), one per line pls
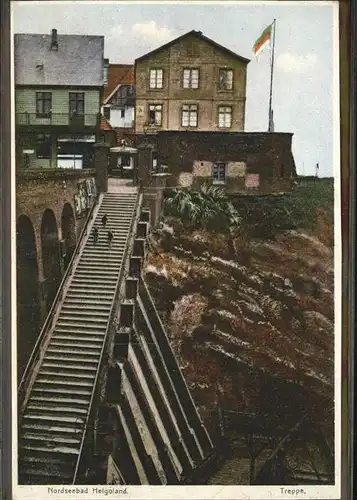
(263, 40)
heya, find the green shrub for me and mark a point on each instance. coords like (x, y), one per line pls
(208, 207)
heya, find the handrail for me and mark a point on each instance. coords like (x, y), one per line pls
(35, 355)
(152, 311)
(135, 217)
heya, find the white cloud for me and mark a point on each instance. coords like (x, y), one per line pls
(152, 32)
(291, 63)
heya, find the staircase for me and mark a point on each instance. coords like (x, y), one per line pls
(53, 423)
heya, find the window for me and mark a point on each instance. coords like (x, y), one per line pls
(189, 115)
(125, 161)
(76, 103)
(225, 79)
(219, 173)
(43, 146)
(155, 114)
(190, 78)
(156, 78)
(224, 116)
(43, 103)
(107, 113)
(122, 113)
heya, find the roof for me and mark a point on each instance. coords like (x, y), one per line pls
(79, 60)
(104, 124)
(118, 74)
(199, 35)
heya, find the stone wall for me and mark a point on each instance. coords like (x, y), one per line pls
(255, 162)
(38, 191)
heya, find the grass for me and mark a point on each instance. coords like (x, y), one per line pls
(309, 207)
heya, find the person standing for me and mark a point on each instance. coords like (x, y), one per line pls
(104, 220)
(95, 235)
(110, 238)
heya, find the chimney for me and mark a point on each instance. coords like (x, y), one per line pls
(54, 40)
(106, 66)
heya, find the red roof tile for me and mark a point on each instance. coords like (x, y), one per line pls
(118, 74)
(104, 124)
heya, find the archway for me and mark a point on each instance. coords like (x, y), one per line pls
(28, 300)
(68, 233)
(50, 256)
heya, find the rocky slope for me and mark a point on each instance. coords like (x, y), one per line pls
(251, 320)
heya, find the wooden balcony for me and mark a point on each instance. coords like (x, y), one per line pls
(73, 122)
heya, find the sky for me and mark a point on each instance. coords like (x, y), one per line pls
(303, 84)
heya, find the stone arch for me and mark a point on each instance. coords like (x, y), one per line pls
(68, 226)
(51, 261)
(28, 293)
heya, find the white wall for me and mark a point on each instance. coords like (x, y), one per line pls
(117, 121)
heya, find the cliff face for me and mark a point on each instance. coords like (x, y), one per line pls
(251, 320)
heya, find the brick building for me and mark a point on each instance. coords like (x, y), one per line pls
(241, 162)
(190, 83)
(58, 88)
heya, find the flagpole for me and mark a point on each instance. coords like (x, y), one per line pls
(271, 82)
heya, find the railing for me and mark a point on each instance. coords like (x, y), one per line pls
(58, 119)
(111, 322)
(124, 101)
(25, 384)
(169, 355)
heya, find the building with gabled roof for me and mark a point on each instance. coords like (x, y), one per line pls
(58, 92)
(190, 83)
(119, 96)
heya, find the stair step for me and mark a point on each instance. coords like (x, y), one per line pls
(56, 356)
(50, 467)
(68, 375)
(49, 471)
(82, 373)
(60, 400)
(107, 266)
(104, 298)
(55, 379)
(85, 319)
(56, 449)
(51, 438)
(70, 338)
(57, 390)
(96, 274)
(86, 307)
(44, 423)
(79, 331)
(84, 285)
(61, 409)
(84, 312)
(92, 352)
(76, 344)
(34, 459)
(83, 324)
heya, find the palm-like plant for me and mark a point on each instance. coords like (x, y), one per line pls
(207, 207)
